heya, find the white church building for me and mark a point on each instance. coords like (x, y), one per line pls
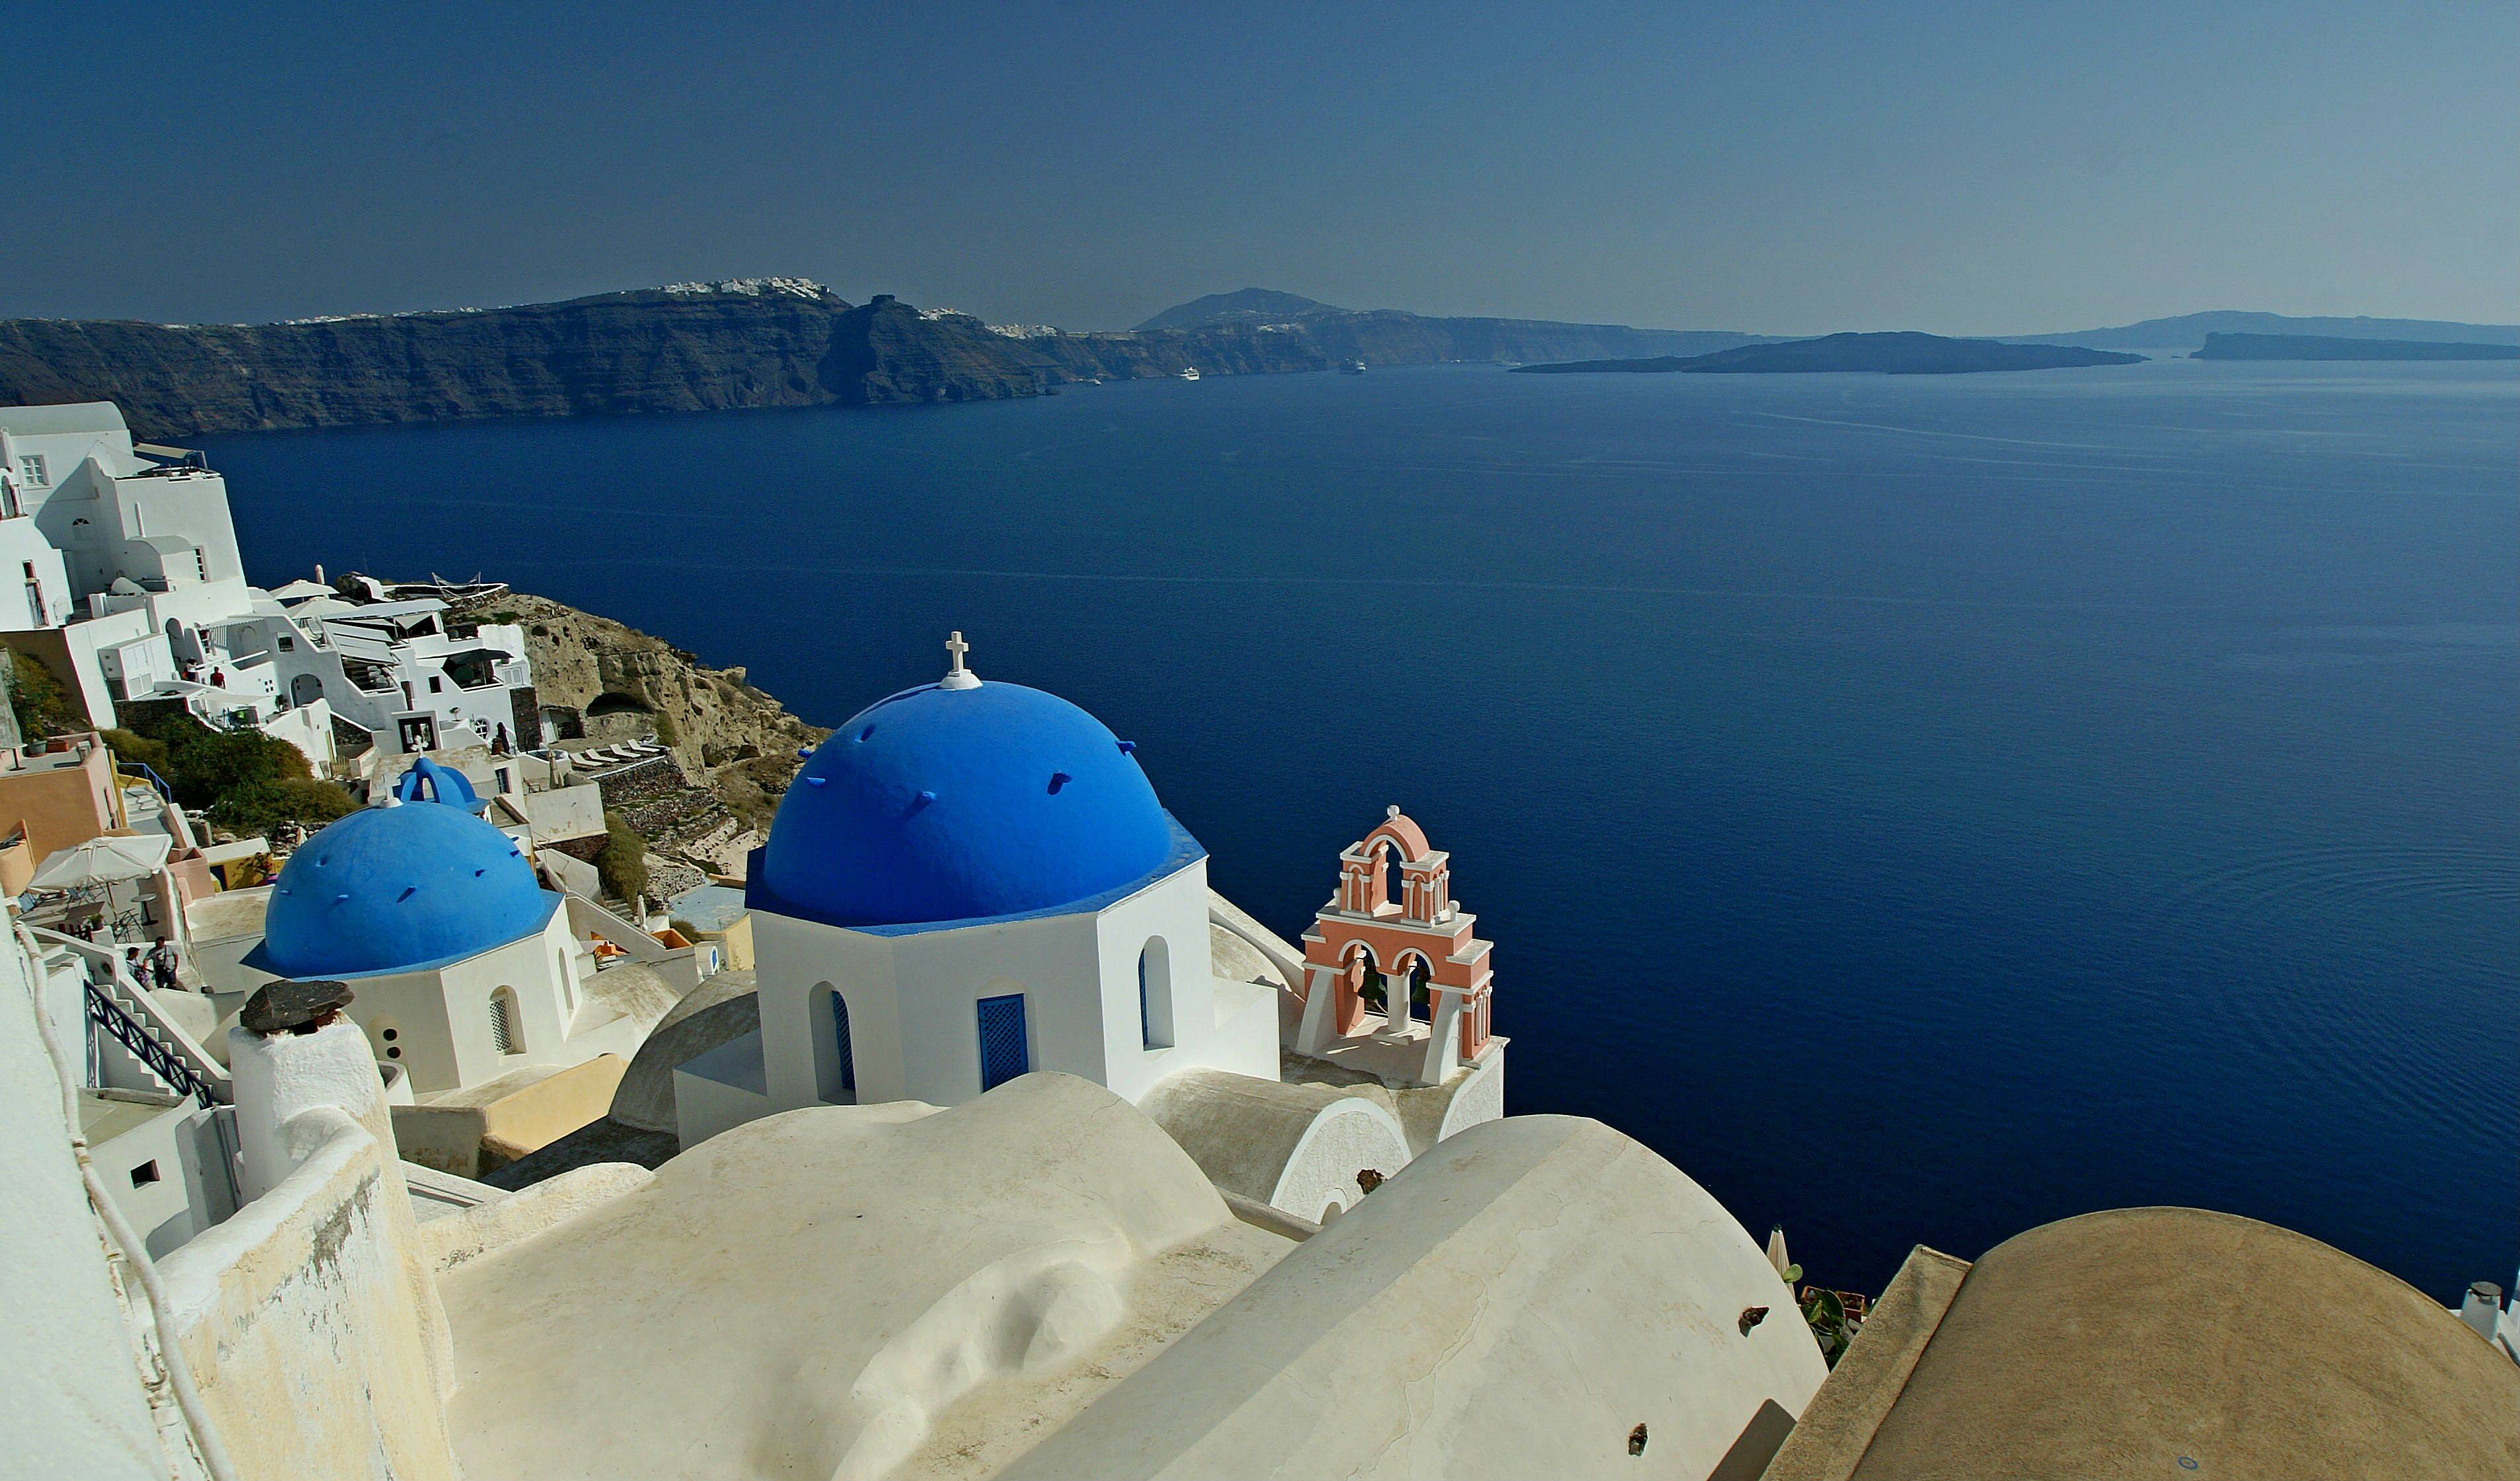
(967, 882)
(463, 968)
(972, 881)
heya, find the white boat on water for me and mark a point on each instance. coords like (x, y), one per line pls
(1192, 374)
(1353, 368)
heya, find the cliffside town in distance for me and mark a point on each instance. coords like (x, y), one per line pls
(740, 343)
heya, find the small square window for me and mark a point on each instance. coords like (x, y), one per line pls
(435, 684)
(288, 645)
(144, 1174)
(33, 466)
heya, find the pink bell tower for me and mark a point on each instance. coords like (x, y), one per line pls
(1411, 939)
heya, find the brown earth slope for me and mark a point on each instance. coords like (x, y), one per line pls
(728, 737)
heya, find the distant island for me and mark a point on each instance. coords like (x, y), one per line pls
(2189, 330)
(1902, 353)
(2329, 347)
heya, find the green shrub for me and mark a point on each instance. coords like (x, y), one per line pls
(215, 763)
(137, 749)
(165, 721)
(622, 863)
(43, 707)
(258, 807)
(204, 765)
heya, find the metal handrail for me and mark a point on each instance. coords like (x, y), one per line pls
(146, 773)
(133, 1035)
(134, 1000)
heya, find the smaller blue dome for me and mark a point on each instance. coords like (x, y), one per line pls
(961, 803)
(428, 782)
(395, 887)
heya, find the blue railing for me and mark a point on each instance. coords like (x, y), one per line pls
(130, 1032)
(146, 773)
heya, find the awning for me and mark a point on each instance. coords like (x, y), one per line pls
(104, 860)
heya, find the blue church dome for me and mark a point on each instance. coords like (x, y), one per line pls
(392, 888)
(960, 801)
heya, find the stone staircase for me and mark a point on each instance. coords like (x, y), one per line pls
(145, 1038)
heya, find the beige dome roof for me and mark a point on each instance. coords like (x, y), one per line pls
(2165, 1342)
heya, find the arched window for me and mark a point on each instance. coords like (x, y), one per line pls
(1364, 977)
(1413, 1002)
(835, 1064)
(1155, 994)
(1386, 863)
(505, 1035)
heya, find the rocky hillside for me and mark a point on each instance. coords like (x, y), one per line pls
(752, 343)
(1265, 304)
(729, 738)
(761, 342)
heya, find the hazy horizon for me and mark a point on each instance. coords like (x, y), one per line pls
(1961, 169)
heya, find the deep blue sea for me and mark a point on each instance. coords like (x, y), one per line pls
(1919, 807)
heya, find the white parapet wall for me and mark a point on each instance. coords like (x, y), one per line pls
(311, 1318)
(73, 1404)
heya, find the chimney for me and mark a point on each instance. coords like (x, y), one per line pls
(293, 1050)
(2483, 1309)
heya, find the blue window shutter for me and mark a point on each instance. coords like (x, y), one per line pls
(1004, 1054)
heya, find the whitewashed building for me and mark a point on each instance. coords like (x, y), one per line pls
(116, 510)
(970, 881)
(126, 554)
(465, 968)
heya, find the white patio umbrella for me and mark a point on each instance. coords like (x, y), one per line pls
(108, 860)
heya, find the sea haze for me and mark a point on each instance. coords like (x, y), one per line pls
(1919, 807)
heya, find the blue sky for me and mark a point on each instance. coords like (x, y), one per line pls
(1969, 169)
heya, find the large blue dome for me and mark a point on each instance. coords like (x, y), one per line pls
(391, 888)
(955, 804)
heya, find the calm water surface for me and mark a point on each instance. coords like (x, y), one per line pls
(1919, 807)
